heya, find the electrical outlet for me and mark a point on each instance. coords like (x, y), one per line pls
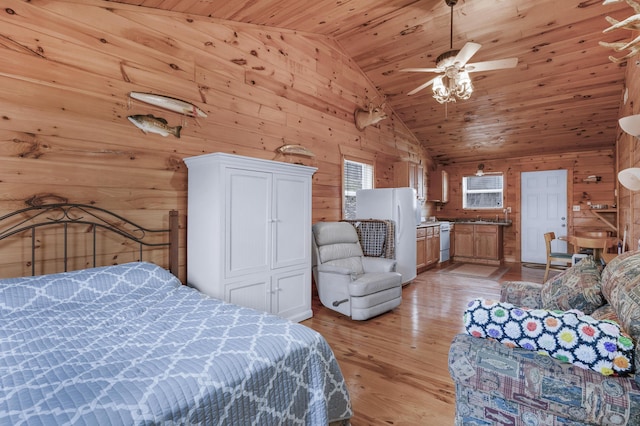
(508, 209)
(576, 208)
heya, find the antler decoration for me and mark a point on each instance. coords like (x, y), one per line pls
(631, 23)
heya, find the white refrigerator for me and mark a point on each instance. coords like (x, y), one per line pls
(399, 205)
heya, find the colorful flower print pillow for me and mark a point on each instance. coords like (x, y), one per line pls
(569, 336)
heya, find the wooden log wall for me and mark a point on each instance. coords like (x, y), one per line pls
(69, 65)
(628, 155)
(579, 165)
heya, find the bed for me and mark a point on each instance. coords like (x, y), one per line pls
(129, 344)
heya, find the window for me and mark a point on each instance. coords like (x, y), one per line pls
(356, 176)
(482, 192)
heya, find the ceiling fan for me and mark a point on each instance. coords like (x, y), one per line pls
(454, 80)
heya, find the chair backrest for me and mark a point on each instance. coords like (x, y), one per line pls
(592, 243)
(337, 244)
(548, 237)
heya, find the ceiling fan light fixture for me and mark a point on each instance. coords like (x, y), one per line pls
(440, 91)
(448, 88)
(454, 81)
(464, 88)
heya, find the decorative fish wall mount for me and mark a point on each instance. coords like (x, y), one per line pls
(151, 124)
(169, 103)
(295, 150)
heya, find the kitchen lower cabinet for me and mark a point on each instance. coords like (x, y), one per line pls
(427, 247)
(433, 245)
(464, 236)
(452, 240)
(421, 248)
(249, 232)
(478, 243)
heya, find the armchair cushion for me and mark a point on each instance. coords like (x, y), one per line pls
(567, 336)
(374, 282)
(575, 288)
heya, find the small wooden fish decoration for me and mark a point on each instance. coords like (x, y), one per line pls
(295, 150)
(169, 103)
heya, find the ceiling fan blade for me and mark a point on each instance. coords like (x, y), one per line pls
(420, 70)
(467, 51)
(492, 65)
(422, 86)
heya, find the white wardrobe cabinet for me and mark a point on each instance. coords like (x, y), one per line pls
(249, 232)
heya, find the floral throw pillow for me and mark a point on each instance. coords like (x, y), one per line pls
(576, 288)
(567, 336)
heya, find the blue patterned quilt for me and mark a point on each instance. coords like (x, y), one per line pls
(129, 344)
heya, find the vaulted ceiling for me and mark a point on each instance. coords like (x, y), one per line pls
(564, 94)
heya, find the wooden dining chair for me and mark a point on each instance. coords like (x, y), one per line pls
(598, 245)
(554, 256)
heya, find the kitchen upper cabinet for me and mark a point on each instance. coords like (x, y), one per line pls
(438, 186)
(478, 243)
(408, 174)
(249, 232)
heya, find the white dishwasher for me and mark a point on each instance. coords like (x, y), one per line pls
(445, 241)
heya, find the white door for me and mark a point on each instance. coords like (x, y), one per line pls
(543, 209)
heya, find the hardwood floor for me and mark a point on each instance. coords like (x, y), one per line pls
(396, 364)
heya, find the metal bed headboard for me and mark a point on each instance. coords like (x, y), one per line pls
(47, 215)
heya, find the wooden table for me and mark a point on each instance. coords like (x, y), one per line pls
(605, 242)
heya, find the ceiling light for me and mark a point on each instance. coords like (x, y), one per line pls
(480, 171)
(630, 178)
(631, 124)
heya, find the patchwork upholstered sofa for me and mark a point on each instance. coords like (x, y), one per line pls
(506, 384)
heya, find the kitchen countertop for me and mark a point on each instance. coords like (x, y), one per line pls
(481, 222)
(428, 224)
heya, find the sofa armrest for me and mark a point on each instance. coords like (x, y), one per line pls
(494, 381)
(524, 294)
(378, 264)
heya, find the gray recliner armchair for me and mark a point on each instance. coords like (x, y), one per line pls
(347, 281)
